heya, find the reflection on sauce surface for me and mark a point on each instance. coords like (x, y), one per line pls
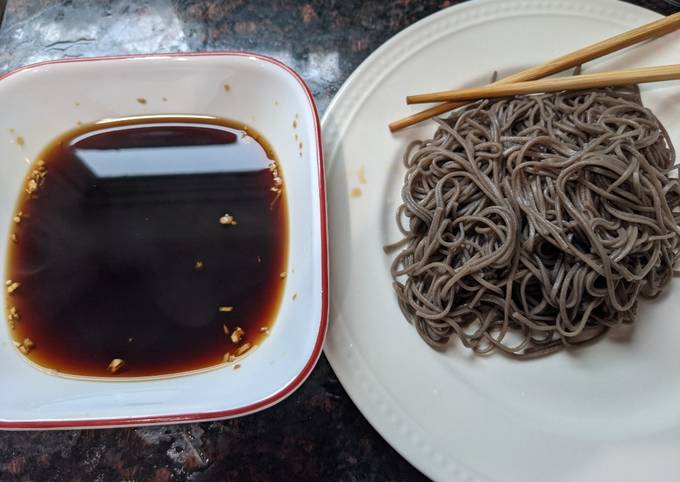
(122, 256)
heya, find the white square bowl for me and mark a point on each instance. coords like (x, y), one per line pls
(42, 101)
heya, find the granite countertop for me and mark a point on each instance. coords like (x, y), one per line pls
(317, 433)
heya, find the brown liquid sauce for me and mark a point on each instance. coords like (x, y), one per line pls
(124, 249)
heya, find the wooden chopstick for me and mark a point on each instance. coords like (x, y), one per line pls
(654, 29)
(577, 82)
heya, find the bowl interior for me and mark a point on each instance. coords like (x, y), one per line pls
(43, 101)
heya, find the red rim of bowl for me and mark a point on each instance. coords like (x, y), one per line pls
(296, 382)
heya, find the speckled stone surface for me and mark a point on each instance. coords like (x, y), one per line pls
(317, 433)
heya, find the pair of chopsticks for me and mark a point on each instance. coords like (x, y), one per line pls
(526, 82)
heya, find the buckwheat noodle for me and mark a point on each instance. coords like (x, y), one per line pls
(536, 223)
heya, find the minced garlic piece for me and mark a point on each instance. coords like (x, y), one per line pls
(243, 348)
(227, 220)
(116, 364)
(12, 287)
(32, 186)
(26, 346)
(237, 334)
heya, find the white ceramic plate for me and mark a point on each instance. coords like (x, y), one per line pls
(42, 101)
(607, 413)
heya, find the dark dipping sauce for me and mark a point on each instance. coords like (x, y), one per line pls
(124, 251)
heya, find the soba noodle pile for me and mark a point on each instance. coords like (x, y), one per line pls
(536, 223)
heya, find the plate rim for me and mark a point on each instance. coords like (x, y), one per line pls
(292, 385)
(366, 402)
